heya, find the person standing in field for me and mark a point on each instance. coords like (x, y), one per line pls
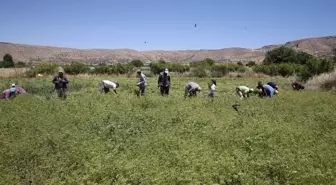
(105, 86)
(142, 83)
(297, 86)
(212, 88)
(191, 89)
(266, 90)
(164, 82)
(61, 82)
(243, 91)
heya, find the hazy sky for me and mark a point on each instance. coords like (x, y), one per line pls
(164, 24)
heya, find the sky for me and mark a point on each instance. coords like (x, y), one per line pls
(164, 24)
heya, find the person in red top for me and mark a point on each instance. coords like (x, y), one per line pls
(297, 86)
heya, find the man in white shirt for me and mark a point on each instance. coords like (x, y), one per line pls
(106, 85)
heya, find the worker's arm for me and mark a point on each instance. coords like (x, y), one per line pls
(115, 90)
(55, 81)
(65, 80)
(159, 79)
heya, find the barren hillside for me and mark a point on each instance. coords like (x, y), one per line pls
(321, 46)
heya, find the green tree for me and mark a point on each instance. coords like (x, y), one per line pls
(7, 61)
(251, 63)
(280, 55)
(76, 68)
(137, 63)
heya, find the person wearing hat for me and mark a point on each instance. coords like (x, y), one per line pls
(12, 90)
(61, 82)
(105, 86)
(191, 89)
(142, 83)
(243, 91)
(164, 82)
(212, 88)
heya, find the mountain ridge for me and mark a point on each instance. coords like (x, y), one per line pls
(318, 46)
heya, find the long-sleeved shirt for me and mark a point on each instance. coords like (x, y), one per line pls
(192, 86)
(60, 83)
(142, 80)
(243, 89)
(272, 84)
(164, 79)
(269, 89)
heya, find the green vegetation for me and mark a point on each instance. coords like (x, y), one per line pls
(7, 61)
(286, 61)
(122, 139)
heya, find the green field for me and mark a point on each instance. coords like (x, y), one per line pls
(108, 139)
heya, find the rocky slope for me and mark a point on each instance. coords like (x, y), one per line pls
(321, 46)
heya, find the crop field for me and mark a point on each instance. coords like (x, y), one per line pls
(94, 138)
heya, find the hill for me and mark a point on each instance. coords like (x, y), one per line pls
(320, 46)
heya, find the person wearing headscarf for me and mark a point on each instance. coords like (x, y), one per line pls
(164, 82)
(61, 82)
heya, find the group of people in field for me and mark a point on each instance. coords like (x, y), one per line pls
(191, 88)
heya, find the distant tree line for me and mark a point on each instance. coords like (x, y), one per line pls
(281, 61)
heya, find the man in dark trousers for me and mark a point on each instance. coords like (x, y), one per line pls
(61, 82)
(164, 82)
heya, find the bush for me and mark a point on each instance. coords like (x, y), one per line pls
(76, 68)
(137, 63)
(199, 72)
(46, 68)
(31, 73)
(286, 55)
(203, 63)
(158, 67)
(20, 65)
(251, 63)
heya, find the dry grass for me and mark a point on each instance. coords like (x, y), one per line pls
(12, 72)
(325, 81)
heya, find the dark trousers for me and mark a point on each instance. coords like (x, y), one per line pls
(141, 91)
(164, 90)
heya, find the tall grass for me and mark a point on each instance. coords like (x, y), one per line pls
(324, 81)
(93, 138)
(12, 72)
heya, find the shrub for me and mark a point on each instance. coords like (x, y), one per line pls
(46, 68)
(137, 63)
(20, 64)
(76, 68)
(31, 73)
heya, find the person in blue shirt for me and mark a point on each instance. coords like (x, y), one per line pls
(266, 90)
(274, 85)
